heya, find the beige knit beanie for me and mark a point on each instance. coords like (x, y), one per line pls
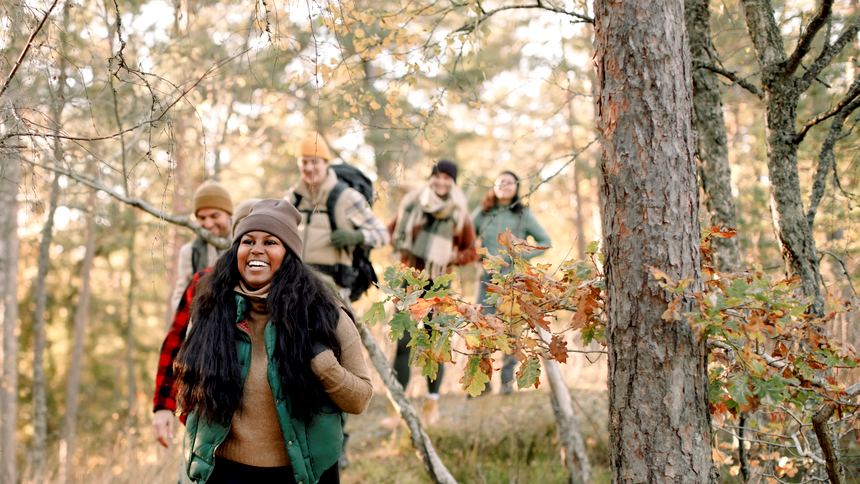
(314, 145)
(277, 217)
(242, 211)
(212, 194)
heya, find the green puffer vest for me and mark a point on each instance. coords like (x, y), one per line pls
(313, 447)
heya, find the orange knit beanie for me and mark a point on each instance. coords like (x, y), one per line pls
(314, 146)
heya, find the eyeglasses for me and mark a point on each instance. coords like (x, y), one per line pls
(504, 184)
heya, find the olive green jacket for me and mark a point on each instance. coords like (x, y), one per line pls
(312, 446)
(499, 219)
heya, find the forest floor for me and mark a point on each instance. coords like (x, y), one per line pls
(490, 439)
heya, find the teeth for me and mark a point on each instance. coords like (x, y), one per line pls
(257, 263)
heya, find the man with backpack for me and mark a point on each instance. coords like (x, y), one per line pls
(338, 226)
(212, 209)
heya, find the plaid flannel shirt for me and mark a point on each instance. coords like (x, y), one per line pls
(165, 395)
(359, 213)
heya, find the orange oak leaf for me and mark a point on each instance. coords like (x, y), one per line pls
(558, 349)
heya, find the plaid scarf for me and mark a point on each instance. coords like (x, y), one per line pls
(439, 221)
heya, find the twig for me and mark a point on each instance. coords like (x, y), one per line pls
(164, 112)
(730, 76)
(851, 95)
(844, 268)
(218, 242)
(26, 49)
(804, 43)
(806, 453)
(471, 26)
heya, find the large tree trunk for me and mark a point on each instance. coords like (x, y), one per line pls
(712, 141)
(10, 173)
(40, 408)
(73, 383)
(658, 383)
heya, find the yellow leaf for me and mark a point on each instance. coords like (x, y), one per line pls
(374, 106)
(359, 33)
(387, 136)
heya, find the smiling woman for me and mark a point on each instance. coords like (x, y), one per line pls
(272, 361)
(260, 256)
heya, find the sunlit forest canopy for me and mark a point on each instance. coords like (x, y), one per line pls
(144, 100)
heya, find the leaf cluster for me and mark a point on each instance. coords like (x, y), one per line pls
(525, 298)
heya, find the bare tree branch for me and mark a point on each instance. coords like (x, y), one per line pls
(771, 361)
(826, 158)
(851, 95)
(828, 54)
(804, 43)
(26, 49)
(218, 242)
(730, 76)
(151, 121)
(472, 25)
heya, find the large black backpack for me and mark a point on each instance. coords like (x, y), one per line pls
(361, 275)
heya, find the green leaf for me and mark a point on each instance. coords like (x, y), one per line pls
(474, 381)
(529, 373)
(375, 314)
(400, 323)
(592, 247)
(739, 389)
(441, 286)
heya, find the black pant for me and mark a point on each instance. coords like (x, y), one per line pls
(229, 472)
(402, 370)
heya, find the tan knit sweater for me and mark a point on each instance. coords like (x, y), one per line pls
(255, 436)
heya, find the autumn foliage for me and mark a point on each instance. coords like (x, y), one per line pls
(768, 356)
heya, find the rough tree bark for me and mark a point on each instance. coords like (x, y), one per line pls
(658, 384)
(782, 90)
(712, 142)
(73, 382)
(9, 178)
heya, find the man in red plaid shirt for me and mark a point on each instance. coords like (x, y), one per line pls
(164, 405)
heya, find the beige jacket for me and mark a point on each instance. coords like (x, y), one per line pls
(315, 228)
(185, 272)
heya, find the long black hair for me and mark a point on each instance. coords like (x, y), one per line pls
(304, 311)
(490, 199)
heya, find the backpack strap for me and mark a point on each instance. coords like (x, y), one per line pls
(331, 201)
(199, 255)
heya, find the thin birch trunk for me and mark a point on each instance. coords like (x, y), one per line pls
(130, 429)
(420, 440)
(11, 173)
(73, 383)
(40, 409)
